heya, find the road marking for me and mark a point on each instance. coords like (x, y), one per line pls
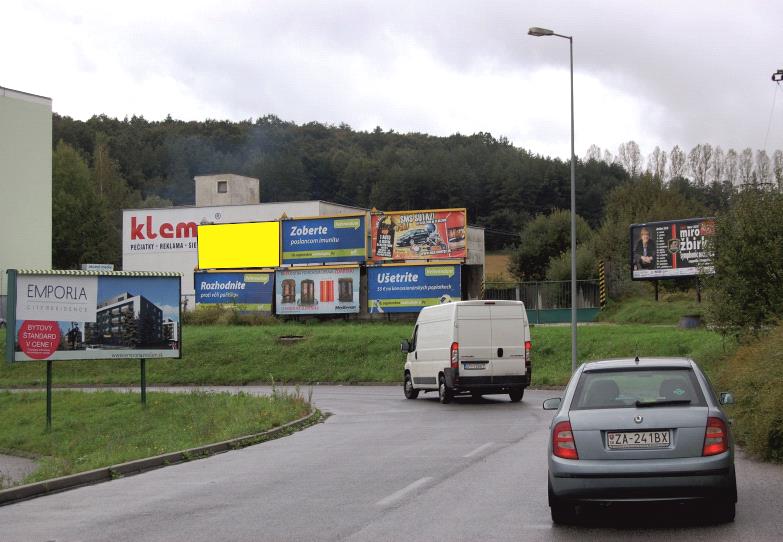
(479, 449)
(397, 495)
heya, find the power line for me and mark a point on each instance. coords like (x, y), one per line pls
(772, 112)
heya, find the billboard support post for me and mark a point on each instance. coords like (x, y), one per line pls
(143, 364)
(656, 290)
(48, 395)
(698, 290)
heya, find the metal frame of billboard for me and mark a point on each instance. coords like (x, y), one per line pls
(665, 273)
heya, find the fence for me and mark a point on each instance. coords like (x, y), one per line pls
(550, 302)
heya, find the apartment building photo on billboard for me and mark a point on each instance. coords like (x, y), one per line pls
(127, 319)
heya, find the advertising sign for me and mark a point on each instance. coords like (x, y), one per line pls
(419, 235)
(408, 288)
(321, 290)
(238, 246)
(248, 291)
(318, 240)
(78, 315)
(671, 249)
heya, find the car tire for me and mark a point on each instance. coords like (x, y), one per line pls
(408, 389)
(444, 393)
(516, 395)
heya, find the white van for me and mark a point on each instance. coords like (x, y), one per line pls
(476, 347)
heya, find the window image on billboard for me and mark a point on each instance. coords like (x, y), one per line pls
(62, 316)
(322, 290)
(324, 240)
(408, 288)
(419, 235)
(239, 246)
(671, 249)
(245, 291)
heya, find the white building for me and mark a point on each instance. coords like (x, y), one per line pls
(25, 184)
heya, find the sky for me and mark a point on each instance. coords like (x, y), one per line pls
(661, 73)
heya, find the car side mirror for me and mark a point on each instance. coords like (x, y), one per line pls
(726, 398)
(553, 403)
(405, 346)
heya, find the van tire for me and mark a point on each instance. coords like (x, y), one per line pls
(410, 392)
(444, 393)
(516, 395)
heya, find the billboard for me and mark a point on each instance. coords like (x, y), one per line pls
(248, 291)
(320, 290)
(319, 240)
(239, 246)
(83, 315)
(671, 249)
(419, 235)
(408, 288)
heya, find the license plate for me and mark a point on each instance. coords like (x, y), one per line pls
(630, 440)
(469, 366)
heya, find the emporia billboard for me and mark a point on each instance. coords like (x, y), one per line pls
(324, 239)
(239, 246)
(671, 248)
(73, 315)
(408, 288)
(419, 235)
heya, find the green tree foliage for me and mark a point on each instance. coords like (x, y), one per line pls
(645, 199)
(586, 264)
(745, 293)
(544, 238)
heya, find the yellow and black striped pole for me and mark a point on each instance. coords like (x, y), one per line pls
(601, 284)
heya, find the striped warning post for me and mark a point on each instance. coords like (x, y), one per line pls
(601, 284)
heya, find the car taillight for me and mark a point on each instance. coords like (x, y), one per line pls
(716, 437)
(563, 444)
(528, 346)
(455, 355)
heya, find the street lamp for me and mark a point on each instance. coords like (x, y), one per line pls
(538, 32)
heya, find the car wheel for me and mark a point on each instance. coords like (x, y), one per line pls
(444, 393)
(410, 392)
(516, 395)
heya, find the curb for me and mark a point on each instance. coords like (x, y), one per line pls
(38, 489)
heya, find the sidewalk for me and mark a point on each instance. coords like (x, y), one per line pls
(13, 469)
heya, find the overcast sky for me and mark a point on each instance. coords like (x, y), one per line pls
(659, 72)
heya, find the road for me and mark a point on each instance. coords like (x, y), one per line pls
(379, 468)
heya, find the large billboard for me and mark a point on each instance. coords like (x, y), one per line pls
(318, 290)
(247, 291)
(671, 249)
(408, 288)
(320, 240)
(83, 315)
(239, 246)
(419, 235)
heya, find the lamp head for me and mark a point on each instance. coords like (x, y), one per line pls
(536, 31)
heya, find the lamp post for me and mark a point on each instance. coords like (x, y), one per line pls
(539, 32)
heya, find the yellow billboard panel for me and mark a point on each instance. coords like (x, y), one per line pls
(239, 246)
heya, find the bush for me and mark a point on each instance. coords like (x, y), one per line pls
(206, 315)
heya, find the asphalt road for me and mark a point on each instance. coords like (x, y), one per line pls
(379, 468)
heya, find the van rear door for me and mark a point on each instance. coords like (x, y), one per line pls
(474, 335)
(509, 333)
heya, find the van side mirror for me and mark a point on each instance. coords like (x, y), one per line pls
(405, 346)
(553, 403)
(726, 398)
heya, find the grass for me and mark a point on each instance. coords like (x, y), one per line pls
(93, 430)
(640, 310)
(352, 352)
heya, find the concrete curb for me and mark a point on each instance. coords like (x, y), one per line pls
(38, 489)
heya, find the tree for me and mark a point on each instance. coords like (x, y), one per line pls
(777, 168)
(717, 165)
(544, 238)
(630, 157)
(676, 162)
(731, 167)
(699, 160)
(745, 167)
(744, 294)
(559, 268)
(763, 167)
(656, 163)
(593, 153)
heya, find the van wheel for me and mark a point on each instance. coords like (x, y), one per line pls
(410, 392)
(444, 393)
(516, 395)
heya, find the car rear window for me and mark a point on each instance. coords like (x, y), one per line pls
(631, 388)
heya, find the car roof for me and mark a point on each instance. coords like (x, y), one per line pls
(638, 363)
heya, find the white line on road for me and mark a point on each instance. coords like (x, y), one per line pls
(397, 495)
(479, 449)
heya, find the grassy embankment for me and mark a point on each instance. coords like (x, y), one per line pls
(352, 352)
(93, 430)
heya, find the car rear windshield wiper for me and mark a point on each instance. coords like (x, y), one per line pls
(663, 403)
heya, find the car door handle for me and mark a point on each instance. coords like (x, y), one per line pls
(500, 352)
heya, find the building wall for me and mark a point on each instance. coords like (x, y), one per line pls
(239, 190)
(25, 183)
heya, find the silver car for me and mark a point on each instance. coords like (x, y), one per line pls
(637, 430)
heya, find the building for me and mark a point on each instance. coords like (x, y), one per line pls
(126, 320)
(25, 184)
(226, 189)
